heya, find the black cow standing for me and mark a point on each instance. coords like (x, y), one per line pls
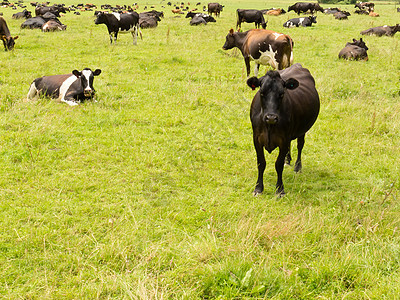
(5, 35)
(69, 88)
(284, 109)
(300, 7)
(124, 23)
(250, 16)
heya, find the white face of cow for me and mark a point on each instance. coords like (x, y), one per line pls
(87, 82)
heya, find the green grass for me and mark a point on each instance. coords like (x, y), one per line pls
(147, 193)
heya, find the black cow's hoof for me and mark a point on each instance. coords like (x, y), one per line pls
(297, 167)
(257, 192)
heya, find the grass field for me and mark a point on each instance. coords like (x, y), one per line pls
(147, 193)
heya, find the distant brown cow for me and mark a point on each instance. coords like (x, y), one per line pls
(265, 47)
(53, 25)
(274, 12)
(215, 8)
(373, 14)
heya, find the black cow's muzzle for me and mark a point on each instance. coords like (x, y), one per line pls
(271, 119)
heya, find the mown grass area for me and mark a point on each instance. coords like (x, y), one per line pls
(147, 193)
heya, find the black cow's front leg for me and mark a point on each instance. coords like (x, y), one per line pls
(261, 167)
(279, 164)
(300, 145)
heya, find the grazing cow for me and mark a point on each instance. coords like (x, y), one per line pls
(300, 7)
(284, 109)
(53, 25)
(265, 47)
(382, 30)
(215, 8)
(124, 23)
(365, 5)
(250, 16)
(356, 50)
(69, 88)
(304, 22)
(23, 14)
(5, 35)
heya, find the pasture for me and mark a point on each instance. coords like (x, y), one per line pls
(147, 193)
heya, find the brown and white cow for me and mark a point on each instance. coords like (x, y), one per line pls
(265, 47)
(5, 35)
(69, 88)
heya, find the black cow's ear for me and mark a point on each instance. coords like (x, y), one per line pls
(253, 82)
(76, 73)
(97, 72)
(231, 31)
(291, 84)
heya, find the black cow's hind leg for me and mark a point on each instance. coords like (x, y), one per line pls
(300, 145)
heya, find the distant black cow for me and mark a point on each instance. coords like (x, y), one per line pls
(55, 9)
(302, 7)
(265, 47)
(153, 12)
(382, 30)
(341, 15)
(124, 23)
(214, 8)
(361, 12)
(284, 109)
(23, 14)
(356, 50)
(304, 22)
(148, 21)
(8, 40)
(38, 22)
(250, 16)
(69, 88)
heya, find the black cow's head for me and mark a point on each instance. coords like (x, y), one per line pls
(101, 18)
(230, 40)
(272, 90)
(359, 43)
(87, 77)
(9, 42)
(313, 19)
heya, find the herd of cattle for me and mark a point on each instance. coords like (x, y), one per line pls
(287, 102)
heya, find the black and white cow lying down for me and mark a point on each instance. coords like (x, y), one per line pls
(304, 22)
(69, 88)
